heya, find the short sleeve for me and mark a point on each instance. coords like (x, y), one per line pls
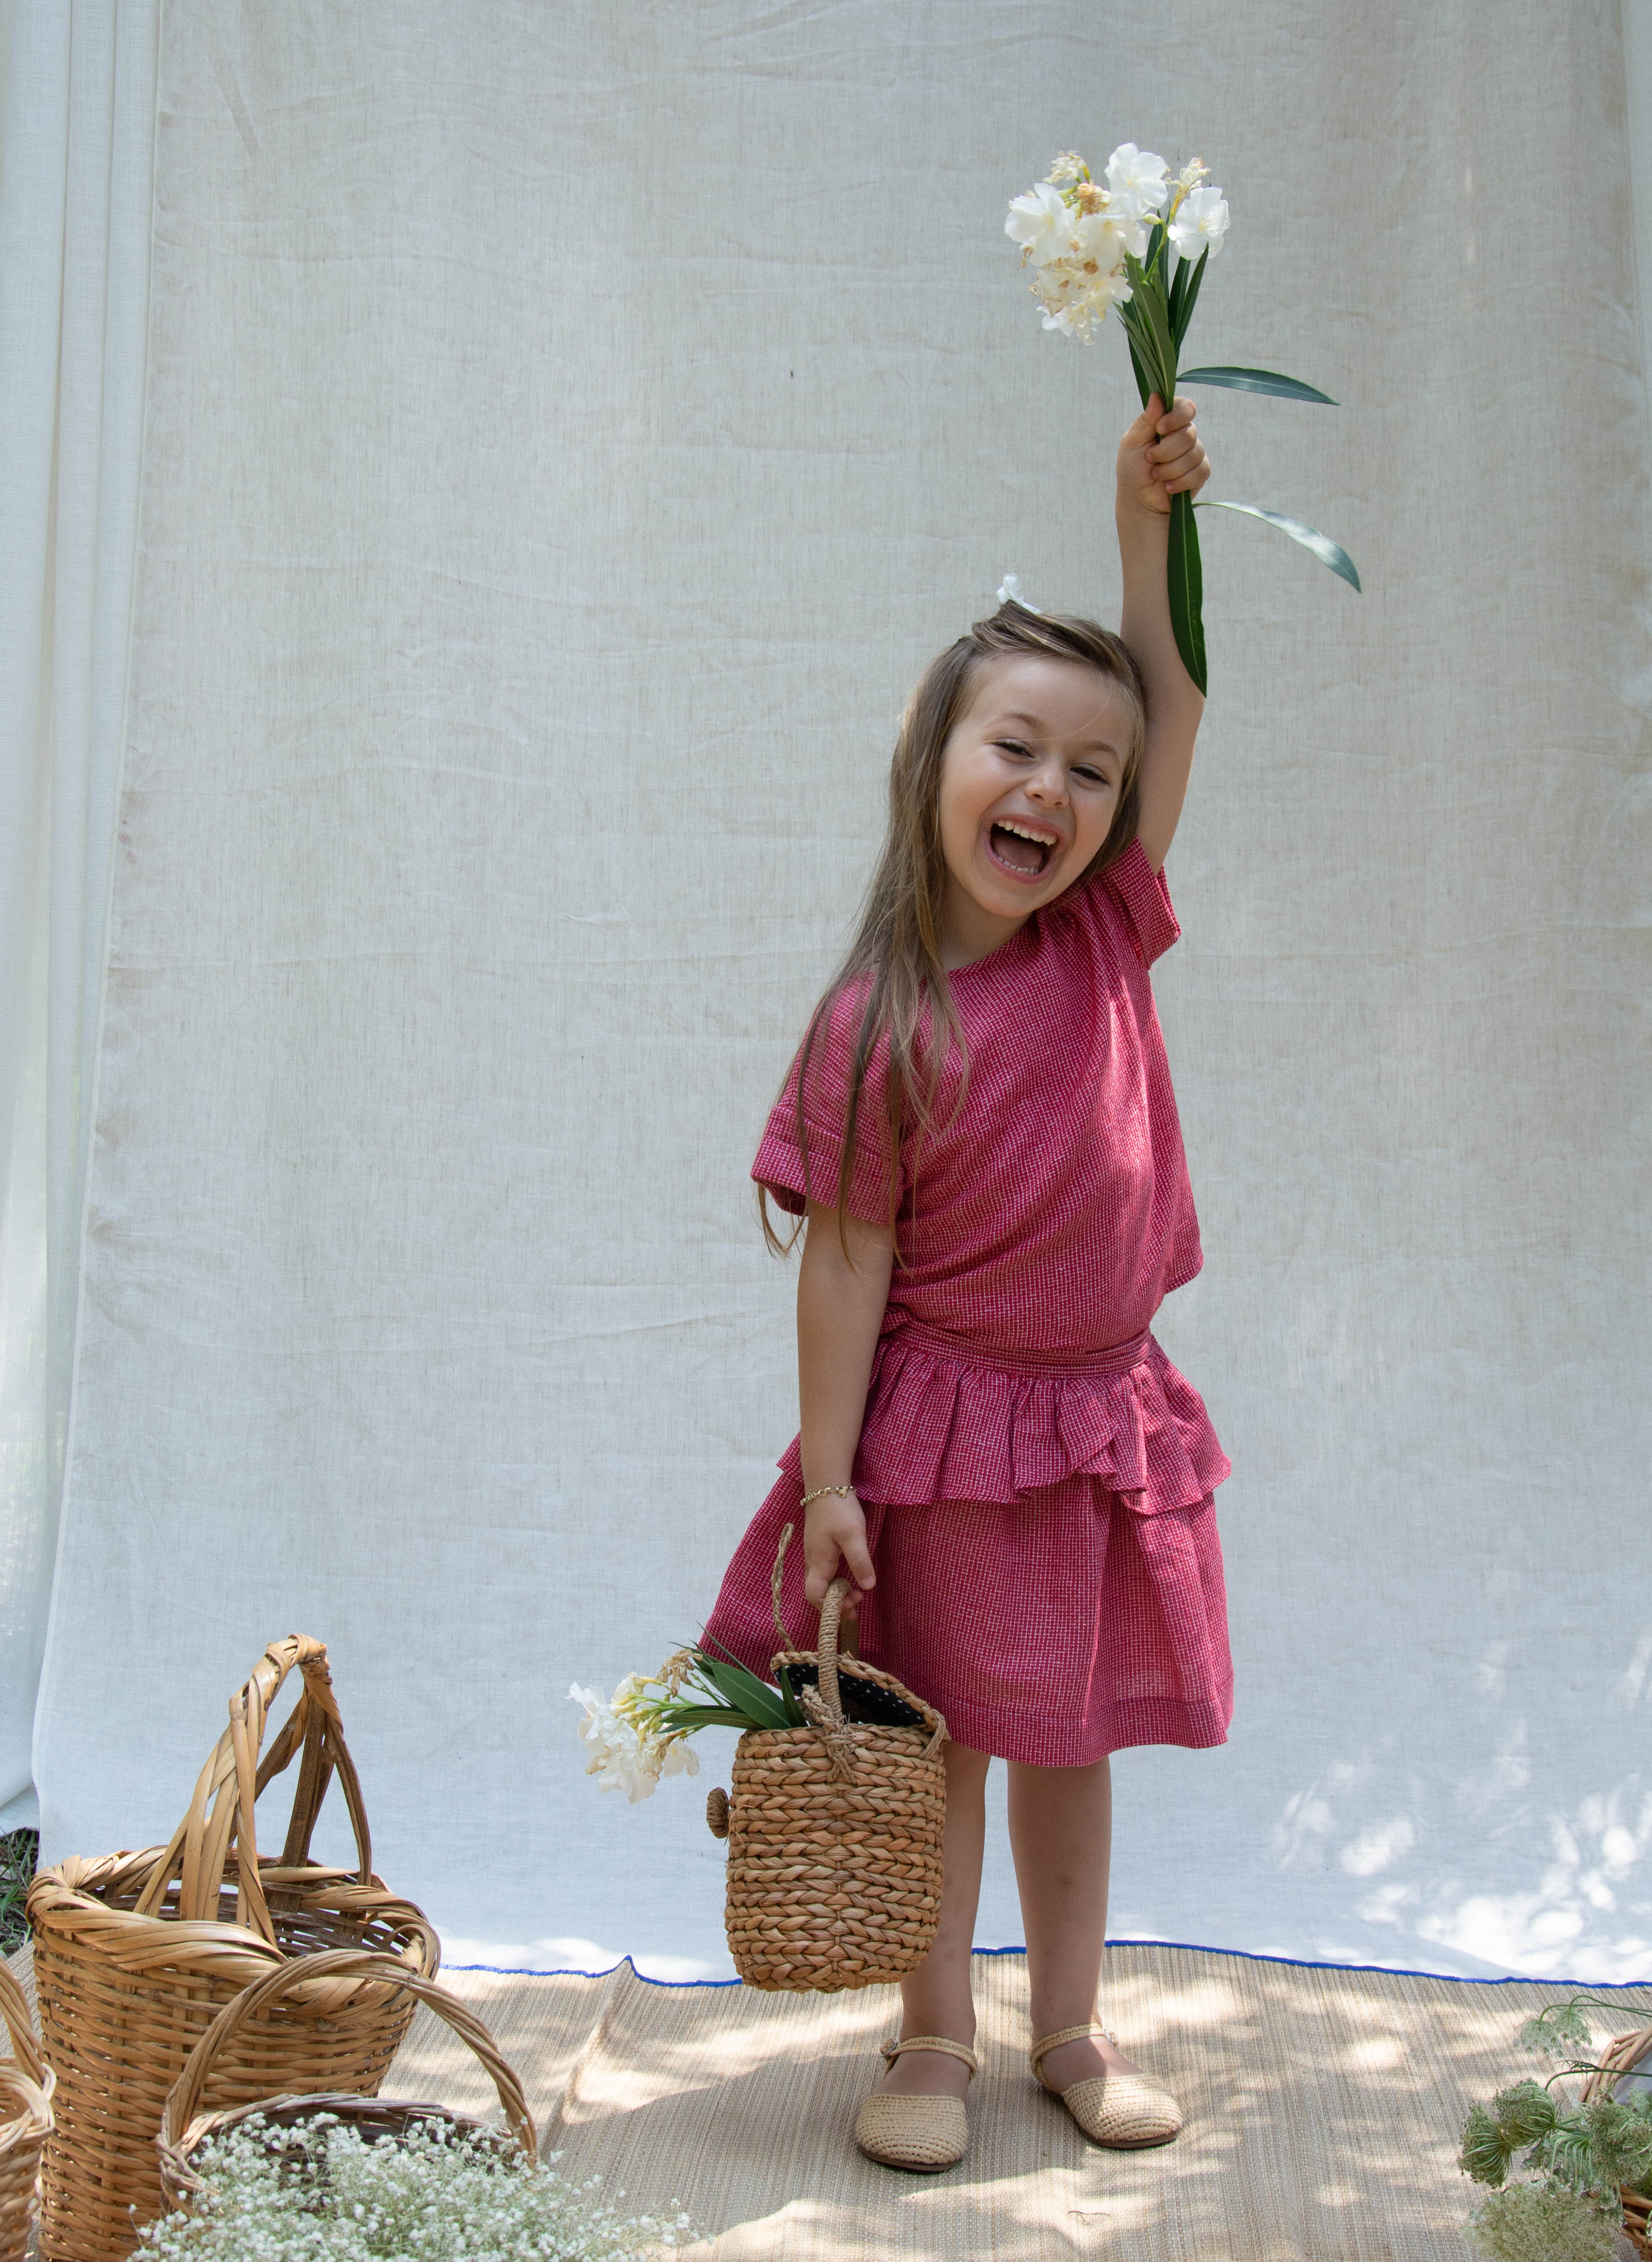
(800, 1164)
(1142, 895)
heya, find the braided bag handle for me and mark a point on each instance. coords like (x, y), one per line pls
(182, 2123)
(220, 1813)
(825, 1711)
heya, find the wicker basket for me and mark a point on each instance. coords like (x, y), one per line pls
(25, 2100)
(1615, 2060)
(834, 1829)
(185, 2127)
(134, 1953)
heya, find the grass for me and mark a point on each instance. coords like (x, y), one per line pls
(18, 1851)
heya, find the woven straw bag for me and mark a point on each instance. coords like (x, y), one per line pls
(834, 1829)
(26, 2100)
(1615, 2060)
(135, 1952)
(185, 2127)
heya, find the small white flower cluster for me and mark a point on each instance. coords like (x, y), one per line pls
(629, 1750)
(435, 2197)
(1077, 233)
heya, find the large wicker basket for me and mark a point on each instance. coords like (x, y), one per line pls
(1615, 2061)
(25, 2102)
(134, 1955)
(185, 2128)
(834, 1829)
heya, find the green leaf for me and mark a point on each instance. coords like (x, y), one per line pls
(1255, 380)
(1186, 586)
(1181, 305)
(692, 1718)
(747, 1694)
(1142, 385)
(1328, 553)
(1148, 330)
(1152, 301)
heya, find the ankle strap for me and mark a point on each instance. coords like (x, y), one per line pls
(1041, 2050)
(892, 2050)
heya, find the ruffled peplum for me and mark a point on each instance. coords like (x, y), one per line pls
(946, 1422)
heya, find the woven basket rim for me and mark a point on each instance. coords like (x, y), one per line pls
(35, 2120)
(177, 2145)
(63, 1899)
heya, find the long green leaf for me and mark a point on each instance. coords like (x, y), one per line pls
(1181, 308)
(1328, 553)
(1177, 293)
(1186, 584)
(695, 1717)
(1137, 314)
(1257, 380)
(746, 1692)
(1152, 301)
(1142, 385)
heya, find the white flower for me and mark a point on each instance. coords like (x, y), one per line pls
(1040, 222)
(1107, 235)
(1193, 175)
(329, 2196)
(1201, 224)
(1069, 165)
(1136, 173)
(1010, 593)
(627, 1754)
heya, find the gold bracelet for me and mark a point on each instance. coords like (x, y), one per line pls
(821, 1491)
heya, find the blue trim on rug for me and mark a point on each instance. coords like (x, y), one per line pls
(1193, 1947)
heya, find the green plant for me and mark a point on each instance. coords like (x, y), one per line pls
(1582, 2154)
(1535, 2222)
(19, 1850)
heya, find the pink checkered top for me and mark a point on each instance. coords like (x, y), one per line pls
(1040, 1225)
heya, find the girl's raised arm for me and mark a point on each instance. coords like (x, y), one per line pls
(1158, 456)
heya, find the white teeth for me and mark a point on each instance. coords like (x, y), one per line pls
(1038, 840)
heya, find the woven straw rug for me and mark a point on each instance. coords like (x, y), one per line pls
(1323, 2107)
(1323, 2112)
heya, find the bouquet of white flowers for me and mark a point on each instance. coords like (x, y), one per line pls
(641, 1733)
(325, 2194)
(1139, 242)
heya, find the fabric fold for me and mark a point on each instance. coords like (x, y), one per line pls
(944, 1422)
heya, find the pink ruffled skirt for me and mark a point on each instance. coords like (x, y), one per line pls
(1049, 1573)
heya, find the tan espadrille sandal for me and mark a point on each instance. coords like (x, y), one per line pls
(922, 2135)
(1121, 2110)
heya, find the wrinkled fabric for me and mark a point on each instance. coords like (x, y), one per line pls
(953, 1424)
(568, 431)
(1053, 1630)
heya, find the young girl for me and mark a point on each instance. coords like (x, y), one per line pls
(980, 1132)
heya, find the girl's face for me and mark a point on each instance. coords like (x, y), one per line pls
(1030, 778)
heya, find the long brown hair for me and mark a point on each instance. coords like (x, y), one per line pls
(897, 945)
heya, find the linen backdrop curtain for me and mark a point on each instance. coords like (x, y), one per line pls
(76, 138)
(568, 431)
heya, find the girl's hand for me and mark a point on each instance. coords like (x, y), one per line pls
(1160, 455)
(836, 1529)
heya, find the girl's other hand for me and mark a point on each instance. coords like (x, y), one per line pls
(1160, 455)
(835, 1530)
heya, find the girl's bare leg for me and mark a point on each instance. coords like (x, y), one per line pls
(1061, 1834)
(936, 1999)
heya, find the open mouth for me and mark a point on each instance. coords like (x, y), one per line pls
(1023, 849)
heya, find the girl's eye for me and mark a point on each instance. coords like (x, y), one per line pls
(1093, 776)
(1010, 747)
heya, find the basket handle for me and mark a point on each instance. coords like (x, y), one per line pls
(14, 2008)
(226, 1790)
(830, 1613)
(183, 2099)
